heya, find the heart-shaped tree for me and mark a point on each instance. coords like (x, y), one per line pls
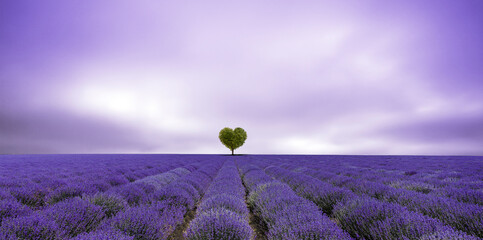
(233, 139)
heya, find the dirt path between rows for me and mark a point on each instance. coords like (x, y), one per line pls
(178, 233)
(259, 227)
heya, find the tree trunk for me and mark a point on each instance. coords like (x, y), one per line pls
(232, 152)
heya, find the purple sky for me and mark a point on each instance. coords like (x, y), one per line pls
(314, 77)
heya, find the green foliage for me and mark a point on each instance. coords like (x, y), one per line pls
(232, 139)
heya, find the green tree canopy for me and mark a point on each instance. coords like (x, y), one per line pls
(232, 139)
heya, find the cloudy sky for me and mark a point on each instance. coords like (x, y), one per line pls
(314, 77)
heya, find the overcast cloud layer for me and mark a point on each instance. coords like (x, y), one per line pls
(313, 77)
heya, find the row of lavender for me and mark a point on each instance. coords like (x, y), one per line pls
(40, 180)
(24, 199)
(458, 178)
(450, 185)
(366, 211)
(441, 171)
(162, 210)
(461, 215)
(293, 197)
(222, 214)
(30, 224)
(282, 213)
(147, 208)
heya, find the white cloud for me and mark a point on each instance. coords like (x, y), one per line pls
(151, 100)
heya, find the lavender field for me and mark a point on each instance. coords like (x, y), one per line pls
(240, 197)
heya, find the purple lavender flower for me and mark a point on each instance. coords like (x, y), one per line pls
(287, 215)
(230, 186)
(188, 188)
(180, 171)
(133, 193)
(12, 208)
(325, 195)
(254, 177)
(160, 180)
(145, 222)
(191, 167)
(309, 230)
(110, 203)
(225, 201)
(75, 216)
(35, 226)
(198, 181)
(219, 224)
(110, 234)
(448, 234)
(181, 192)
(116, 180)
(178, 197)
(463, 194)
(100, 185)
(31, 195)
(63, 193)
(171, 214)
(371, 219)
(223, 213)
(130, 176)
(5, 194)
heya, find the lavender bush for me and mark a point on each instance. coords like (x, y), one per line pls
(370, 219)
(223, 213)
(287, 215)
(219, 224)
(35, 227)
(31, 195)
(12, 208)
(103, 235)
(225, 201)
(448, 235)
(290, 197)
(111, 204)
(142, 222)
(75, 216)
(133, 193)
